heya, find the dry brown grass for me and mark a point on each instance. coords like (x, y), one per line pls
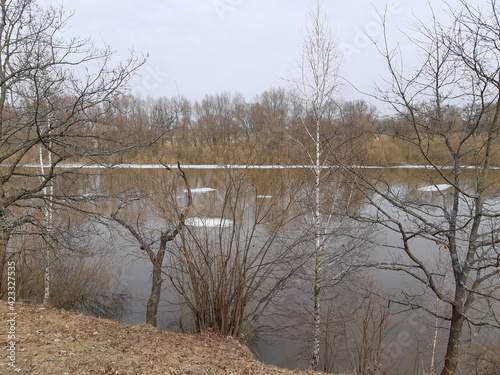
(381, 150)
(386, 151)
(51, 341)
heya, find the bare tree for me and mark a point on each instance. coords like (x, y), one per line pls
(315, 85)
(143, 232)
(373, 329)
(270, 118)
(52, 100)
(454, 217)
(217, 124)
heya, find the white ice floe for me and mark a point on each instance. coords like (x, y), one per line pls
(233, 166)
(208, 222)
(439, 187)
(200, 190)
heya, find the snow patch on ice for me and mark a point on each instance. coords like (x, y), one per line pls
(201, 190)
(208, 222)
(439, 187)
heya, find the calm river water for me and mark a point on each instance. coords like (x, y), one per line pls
(278, 342)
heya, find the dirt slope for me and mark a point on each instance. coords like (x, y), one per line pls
(51, 342)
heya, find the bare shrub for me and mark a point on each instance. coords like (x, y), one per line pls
(485, 358)
(81, 280)
(229, 269)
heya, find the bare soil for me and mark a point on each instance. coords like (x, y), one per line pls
(49, 341)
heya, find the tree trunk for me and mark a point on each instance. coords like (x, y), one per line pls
(48, 191)
(453, 348)
(154, 297)
(4, 240)
(434, 341)
(157, 280)
(318, 252)
(317, 317)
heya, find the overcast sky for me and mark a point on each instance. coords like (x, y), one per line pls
(199, 47)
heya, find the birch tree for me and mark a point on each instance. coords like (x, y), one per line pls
(315, 86)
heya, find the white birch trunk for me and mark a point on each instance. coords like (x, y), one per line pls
(318, 253)
(48, 191)
(434, 341)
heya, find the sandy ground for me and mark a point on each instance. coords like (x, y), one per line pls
(51, 342)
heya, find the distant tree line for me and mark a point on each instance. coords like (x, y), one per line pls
(227, 128)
